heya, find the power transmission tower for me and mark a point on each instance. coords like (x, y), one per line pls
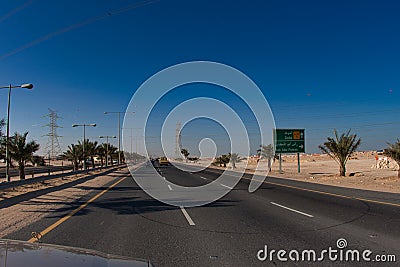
(178, 144)
(52, 147)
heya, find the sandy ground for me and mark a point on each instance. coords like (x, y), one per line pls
(20, 215)
(322, 169)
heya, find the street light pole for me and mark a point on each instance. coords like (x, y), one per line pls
(119, 137)
(137, 139)
(83, 147)
(8, 179)
(119, 130)
(26, 86)
(131, 137)
(84, 138)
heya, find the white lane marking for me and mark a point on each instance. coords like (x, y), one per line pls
(299, 212)
(163, 177)
(203, 177)
(227, 186)
(186, 214)
(170, 188)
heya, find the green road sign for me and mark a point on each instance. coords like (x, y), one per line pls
(289, 141)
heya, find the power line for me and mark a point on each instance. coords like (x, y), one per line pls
(15, 10)
(77, 25)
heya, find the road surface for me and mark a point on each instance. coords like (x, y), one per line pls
(282, 214)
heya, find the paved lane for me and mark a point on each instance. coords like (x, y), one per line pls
(229, 232)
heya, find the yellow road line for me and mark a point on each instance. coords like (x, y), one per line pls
(65, 218)
(325, 193)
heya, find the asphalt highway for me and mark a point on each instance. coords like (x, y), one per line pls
(281, 214)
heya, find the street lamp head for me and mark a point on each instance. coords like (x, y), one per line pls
(105, 112)
(93, 124)
(74, 125)
(102, 136)
(113, 137)
(27, 86)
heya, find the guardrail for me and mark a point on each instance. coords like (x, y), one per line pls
(31, 172)
(49, 176)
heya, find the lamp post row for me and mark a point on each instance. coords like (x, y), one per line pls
(30, 86)
(26, 86)
(94, 125)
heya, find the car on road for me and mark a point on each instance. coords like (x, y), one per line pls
(163, 161)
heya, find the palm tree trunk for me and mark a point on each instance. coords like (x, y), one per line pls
(233, 165)
(111, 158)
(93, 165)
(21, 168)
(342, 171)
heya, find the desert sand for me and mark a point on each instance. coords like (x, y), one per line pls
(320, 168)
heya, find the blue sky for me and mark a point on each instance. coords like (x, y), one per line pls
(320, 64)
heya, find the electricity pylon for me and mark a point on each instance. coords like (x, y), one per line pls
(52, 147)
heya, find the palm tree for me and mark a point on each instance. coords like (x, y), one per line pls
(91, 150)
(393, 151)
(21, 151)
(266, 152)
(112, 150)
(234, 158)
(122, 157)
(73, 154)
(218, 161)
(101, 152)
(341, 148)
(222, 160)
(225, 159)
(38, 160)
(185, 153)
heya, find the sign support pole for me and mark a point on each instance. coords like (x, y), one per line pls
(298, 162)
(280, 163)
